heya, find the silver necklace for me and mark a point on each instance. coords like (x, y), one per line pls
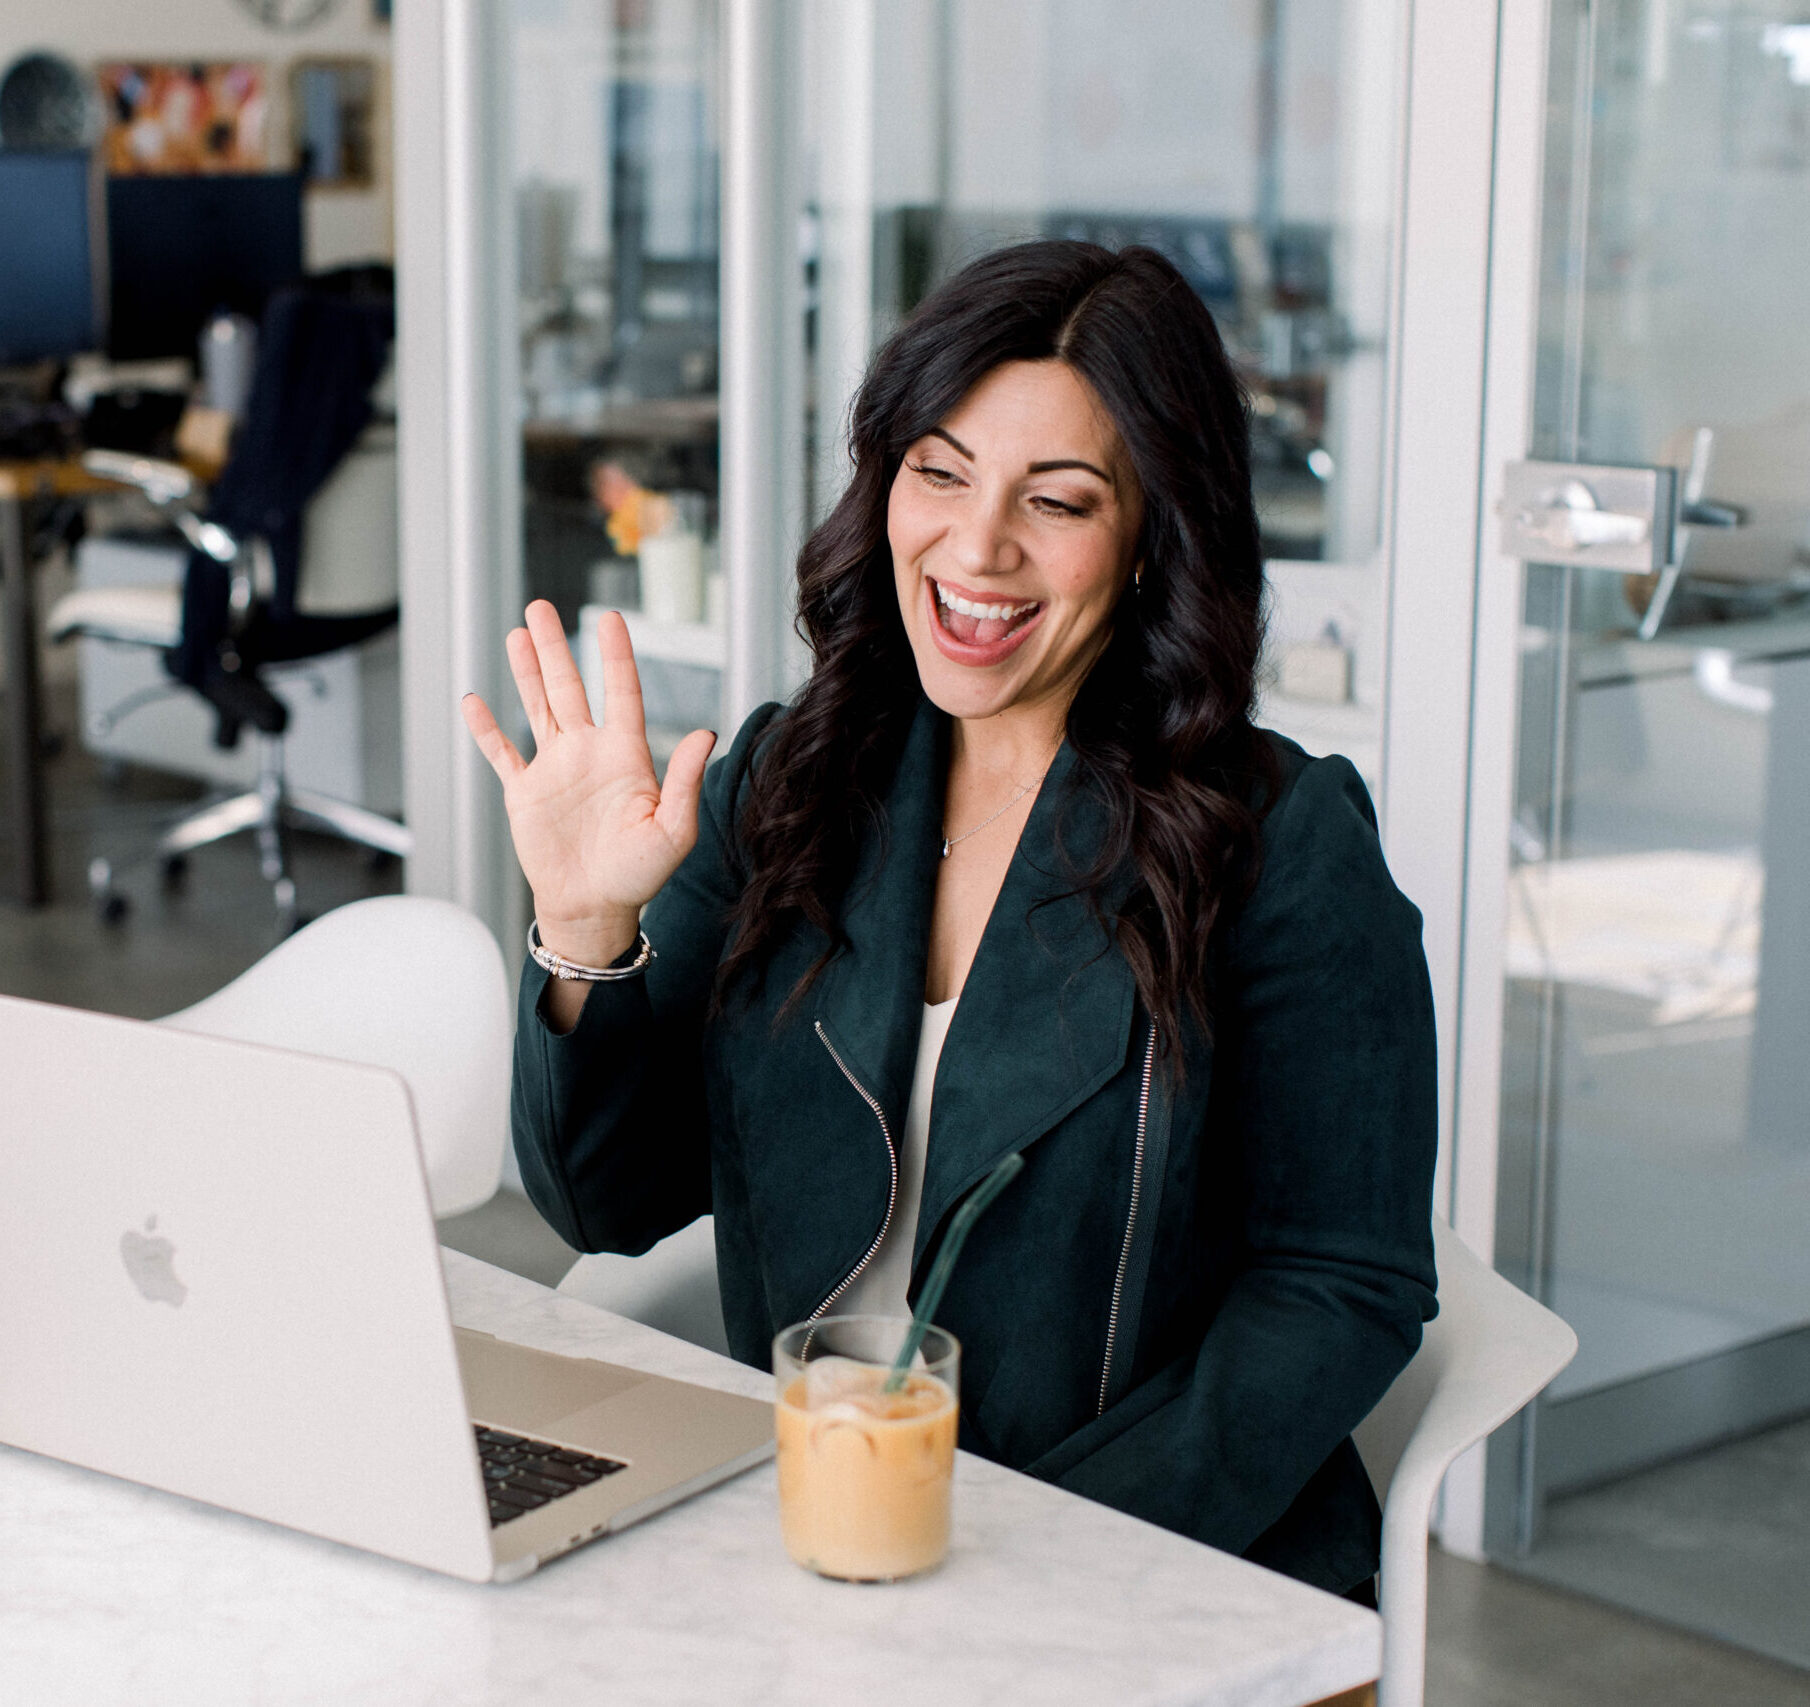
(949, 841)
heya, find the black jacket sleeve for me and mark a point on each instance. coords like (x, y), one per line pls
(1324, 1096)
(611, 1120)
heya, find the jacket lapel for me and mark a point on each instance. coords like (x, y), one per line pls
(1045, 1015)
(870, 1000)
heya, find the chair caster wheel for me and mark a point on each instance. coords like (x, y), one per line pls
(112, 908)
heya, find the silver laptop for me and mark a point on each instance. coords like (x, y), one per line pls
(219, 1275)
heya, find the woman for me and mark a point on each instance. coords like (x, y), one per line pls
(1022, 774)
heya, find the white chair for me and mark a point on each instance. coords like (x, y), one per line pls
(672, 1287)
(404, 982)
(1489, 1351)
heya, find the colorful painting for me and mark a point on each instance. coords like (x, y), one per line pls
(185, 118)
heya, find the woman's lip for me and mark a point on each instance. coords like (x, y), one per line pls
(960, 651)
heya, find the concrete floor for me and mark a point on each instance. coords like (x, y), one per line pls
(1718, 1542)
(1496, 1639)
(176, 943)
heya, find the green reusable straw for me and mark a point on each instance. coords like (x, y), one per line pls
(944, 1266)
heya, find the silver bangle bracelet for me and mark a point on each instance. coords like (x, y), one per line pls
(560, 967)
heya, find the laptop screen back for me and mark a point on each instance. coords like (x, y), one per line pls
(221, 1273)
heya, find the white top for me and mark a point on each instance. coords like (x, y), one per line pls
(112, 1595)
(881, 1288)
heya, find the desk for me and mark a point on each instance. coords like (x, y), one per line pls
(110, 1593)
(20, 483)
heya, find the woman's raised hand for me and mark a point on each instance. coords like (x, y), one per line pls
(596, 833)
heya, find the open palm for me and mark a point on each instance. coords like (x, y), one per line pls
(596, 832)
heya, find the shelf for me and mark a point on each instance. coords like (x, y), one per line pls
(693, 643)
(681, 666)
(673, 420)
(1353, 730)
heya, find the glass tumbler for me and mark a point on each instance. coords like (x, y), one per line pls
(864, 1474)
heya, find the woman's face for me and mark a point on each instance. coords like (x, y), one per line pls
(1013, 525)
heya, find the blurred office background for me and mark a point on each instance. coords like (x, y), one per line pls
(644, 249)
(162, 175)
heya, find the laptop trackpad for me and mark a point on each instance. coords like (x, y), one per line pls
(516, 1387)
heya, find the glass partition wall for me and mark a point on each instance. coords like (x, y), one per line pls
(1253, 142)
(615, 169)
(1220, 134)
(1655, 1147)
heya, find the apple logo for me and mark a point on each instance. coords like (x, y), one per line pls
(148, 1259)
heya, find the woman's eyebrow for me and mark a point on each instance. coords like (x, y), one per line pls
(1069, 462)
(956, 444)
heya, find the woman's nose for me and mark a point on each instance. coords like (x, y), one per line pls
(982, 541)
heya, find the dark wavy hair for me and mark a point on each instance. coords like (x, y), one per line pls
(1160, 727)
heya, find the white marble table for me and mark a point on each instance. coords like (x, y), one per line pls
(110, 1593)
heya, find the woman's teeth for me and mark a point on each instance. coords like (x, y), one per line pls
(975, 624)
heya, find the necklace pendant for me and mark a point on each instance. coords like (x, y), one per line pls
(945, 847)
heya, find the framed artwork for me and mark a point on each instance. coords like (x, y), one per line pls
(333, 109)
(185, 118)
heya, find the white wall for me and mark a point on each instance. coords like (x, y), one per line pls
(342, 225)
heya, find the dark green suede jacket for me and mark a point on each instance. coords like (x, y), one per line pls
(1193, 1293)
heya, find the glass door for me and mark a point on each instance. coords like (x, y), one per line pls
(1654, 1162)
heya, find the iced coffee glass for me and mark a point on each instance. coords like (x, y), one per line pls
(864, 1474)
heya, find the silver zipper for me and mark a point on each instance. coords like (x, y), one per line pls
(892, 1161)
(1131, 1219)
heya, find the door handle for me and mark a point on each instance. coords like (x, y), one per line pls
(1568, 520)
(1594, 516)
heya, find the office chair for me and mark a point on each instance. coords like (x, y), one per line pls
(1489, 1351)
(292, 557)
(350, 986)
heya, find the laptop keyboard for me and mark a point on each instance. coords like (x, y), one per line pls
(522, 1475)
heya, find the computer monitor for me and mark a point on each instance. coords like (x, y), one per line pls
(48, 301)
(182, 247)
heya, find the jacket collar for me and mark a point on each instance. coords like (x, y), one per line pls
(1045, 1016)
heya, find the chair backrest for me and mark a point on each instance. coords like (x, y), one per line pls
(1489, 1351)
(672, 1287)
(350, 560)
(322, 349)
(404, 982)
